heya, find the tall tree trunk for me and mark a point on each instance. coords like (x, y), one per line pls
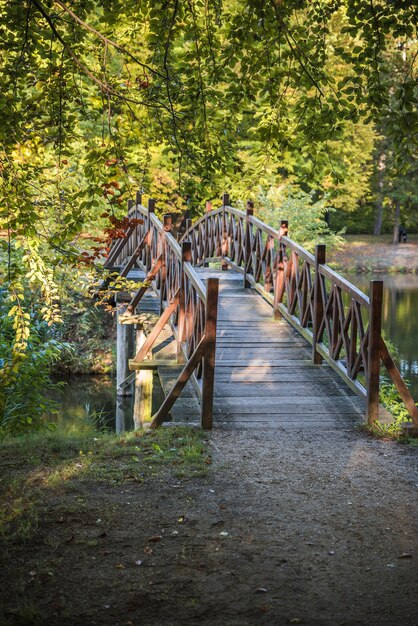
(396, 222)
(381, 165)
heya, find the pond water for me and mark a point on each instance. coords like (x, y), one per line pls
(90, 401)
(86, 403)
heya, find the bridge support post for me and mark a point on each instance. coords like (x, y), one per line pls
(247, 245)
(208, 380)
(375, 332)
(124, 348)
(318, 308)
(143, 387)
(225, 203)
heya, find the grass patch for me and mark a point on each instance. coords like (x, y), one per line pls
(34, 466)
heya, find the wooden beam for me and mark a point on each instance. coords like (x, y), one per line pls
(153, 364)
(148, 278)
(374, 349)
(318, 312)
(157, 329)
(399, 382)
(180, 383)
(143, 388)
(208, 378)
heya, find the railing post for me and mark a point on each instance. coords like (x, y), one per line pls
(280, 277)
(186, 257)
(151, 209)
(167, 226)
(124, 349)
(225, 203)
(284, 228)
(318, 307)
(375, 332)
(138, 198)
(247, 245)
(131, 203)
(208, 380)
(206, 243)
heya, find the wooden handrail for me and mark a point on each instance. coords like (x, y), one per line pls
(185, 302)
(340, 321)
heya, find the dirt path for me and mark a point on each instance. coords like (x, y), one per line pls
(286, 528)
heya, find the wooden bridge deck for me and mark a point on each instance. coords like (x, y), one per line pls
(264, 375)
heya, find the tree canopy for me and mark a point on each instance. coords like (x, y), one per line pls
(185, 99)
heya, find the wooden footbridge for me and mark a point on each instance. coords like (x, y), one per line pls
(245, 327)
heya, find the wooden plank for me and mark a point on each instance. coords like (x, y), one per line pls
(278, 406)
(296, 424)
(153, 364)
(283, 363)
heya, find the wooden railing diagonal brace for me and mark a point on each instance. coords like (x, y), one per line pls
(179, 385)
(162, 321)
(147, 280)
(398, 382)
(145, 241)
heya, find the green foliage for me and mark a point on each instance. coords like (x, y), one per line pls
(25, 381)
(190, 99)
(307, 217)
(89, 331)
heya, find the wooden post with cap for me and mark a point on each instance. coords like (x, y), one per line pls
(224, 251)
(167, 226)
(186, 257)
(375, 333)
(318, 307)
(208, 379)
(247, 243)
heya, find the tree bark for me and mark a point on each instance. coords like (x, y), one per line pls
(381, 166)
(396, 222)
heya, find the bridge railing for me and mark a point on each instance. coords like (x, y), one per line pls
(185, 302)
(342, 324)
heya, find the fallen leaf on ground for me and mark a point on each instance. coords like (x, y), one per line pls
(155, 538)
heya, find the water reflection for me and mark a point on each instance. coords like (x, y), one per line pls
(89, 402)
(86, 403)
(400, 318)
